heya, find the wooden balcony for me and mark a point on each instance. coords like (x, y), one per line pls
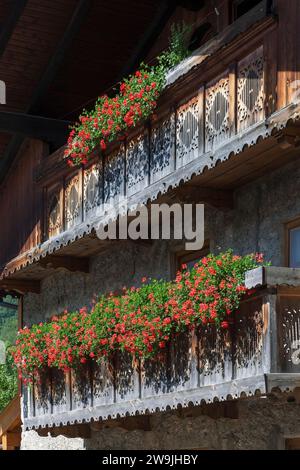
(223, 116)
(258, 354)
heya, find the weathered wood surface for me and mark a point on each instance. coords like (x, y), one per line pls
(200, 365)
(272, 276)
(187, 134)
(288, 312)
(204, 360)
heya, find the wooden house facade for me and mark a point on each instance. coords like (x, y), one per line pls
(226, 134)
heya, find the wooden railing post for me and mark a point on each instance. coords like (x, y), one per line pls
(232, 100)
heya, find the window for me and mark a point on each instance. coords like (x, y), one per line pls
(293, 244)
(190, 257)
(241, 7)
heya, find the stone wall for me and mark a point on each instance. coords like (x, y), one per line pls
(255, 224)
(259, 423)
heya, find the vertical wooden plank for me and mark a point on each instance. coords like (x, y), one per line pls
(44, 234)
(155, 375)
(270, 72)
(127, 377)
(137, 163)
(187, 132)
(55, 210)
(24, 402)
(102, 382)
(81, 194)
(73, 200)
(249, 329)
(291, 31)
(174, 139)
(161, 149)
(215, 355)
(149, 135)
(81, 386)
(42, 392)
(59, 392)
(11, 440)
(184, 362)
(250, 90)
(217, 112)
(21, 388)
(288, 323)
(269, 351)
(21, 201)
(114, 176)
(201, 121)
(287, 32)
(232, 99)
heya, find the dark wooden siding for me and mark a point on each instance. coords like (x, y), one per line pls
(20, 205)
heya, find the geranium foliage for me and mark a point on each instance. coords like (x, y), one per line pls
(135, 100)
(8, 381)
(142, 320)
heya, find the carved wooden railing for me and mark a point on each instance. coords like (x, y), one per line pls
(185, 139)
(259, 352)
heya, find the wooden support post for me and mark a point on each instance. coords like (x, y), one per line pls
(232, 100)
(11, 440)
(37, 127)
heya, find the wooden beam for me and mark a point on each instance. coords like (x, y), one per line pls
(70, 263)
(287, 141)
(37, 127)
(10, 22)
(21, 286)
(8, 305)
(46, 80)
(57, 59)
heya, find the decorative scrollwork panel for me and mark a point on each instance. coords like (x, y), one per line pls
(114, 176)
(215, 355)
(217, 121)
(249, 331)
(92, 190)
(250, 90)
(73, 202)
(137, 164)
(162, 149)
(289, 333)
(187, 132)
(54, 212)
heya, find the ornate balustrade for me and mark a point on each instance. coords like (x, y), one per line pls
(182, 142)
(259, 352)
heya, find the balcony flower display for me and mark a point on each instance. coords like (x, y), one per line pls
(142, 320)
(135, 101)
